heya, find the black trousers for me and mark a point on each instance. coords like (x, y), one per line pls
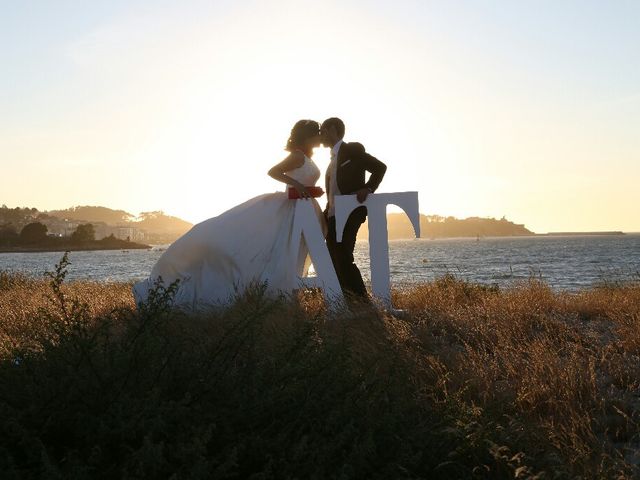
(342, 253)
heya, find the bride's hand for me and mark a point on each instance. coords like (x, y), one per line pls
(302, 190)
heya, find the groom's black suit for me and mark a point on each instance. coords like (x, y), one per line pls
(352, 164)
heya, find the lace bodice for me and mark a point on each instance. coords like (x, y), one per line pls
(307, 174)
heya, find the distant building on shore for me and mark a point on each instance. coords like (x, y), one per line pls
(65, 228)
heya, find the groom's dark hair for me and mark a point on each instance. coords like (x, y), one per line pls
(336, 123)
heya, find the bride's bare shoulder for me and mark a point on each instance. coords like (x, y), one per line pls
(294, 160)
(298, 155)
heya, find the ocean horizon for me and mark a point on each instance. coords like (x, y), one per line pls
(565, 262)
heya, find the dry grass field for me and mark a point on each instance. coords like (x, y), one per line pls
(470, 382)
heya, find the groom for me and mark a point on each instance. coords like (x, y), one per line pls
(346, 176)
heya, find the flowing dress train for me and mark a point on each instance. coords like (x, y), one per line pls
(249, 244)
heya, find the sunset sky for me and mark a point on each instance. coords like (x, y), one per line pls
(528, 109)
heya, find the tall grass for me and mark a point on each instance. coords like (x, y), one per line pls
(472, 382)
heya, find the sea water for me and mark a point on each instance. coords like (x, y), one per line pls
(564, 262)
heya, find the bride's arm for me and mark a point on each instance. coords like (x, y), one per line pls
(293, 161)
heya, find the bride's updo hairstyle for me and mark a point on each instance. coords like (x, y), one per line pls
(302, 131)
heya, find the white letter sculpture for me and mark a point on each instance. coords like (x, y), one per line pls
(305, 223)
(378, 234)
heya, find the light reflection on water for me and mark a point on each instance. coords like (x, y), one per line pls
(563, 262)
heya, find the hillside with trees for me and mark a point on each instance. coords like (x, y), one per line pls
(34, 237)
(436, 226)
(150, 227)
(15, 219)
(161, 228)
(158, 228)
(94, 214)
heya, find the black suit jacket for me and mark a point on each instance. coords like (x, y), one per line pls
(353, 163)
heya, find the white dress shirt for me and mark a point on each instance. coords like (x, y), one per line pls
(333, 178)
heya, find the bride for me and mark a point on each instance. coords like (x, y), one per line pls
(248, 245)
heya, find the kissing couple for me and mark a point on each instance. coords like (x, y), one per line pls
(252, 243)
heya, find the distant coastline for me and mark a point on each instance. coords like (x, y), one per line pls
(148, 227)
(67, 247)
(435, 226)
(581, 234)
(158, 228)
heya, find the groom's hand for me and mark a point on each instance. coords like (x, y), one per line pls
(362, 194)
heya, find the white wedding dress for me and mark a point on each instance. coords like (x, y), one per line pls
(247, 245)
